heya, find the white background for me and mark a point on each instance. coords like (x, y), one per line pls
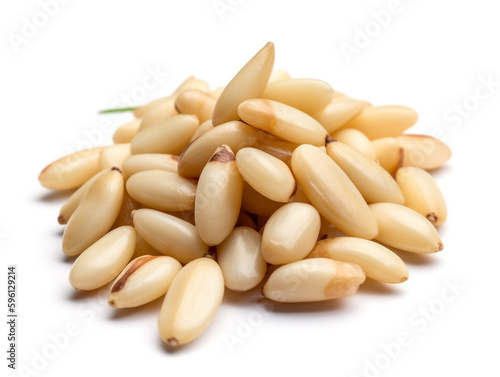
(91, 55)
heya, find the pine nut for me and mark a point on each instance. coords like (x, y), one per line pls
(282, 120)
(218, 197)
(384, 121)
(169, 235)
(143, 280)
(290, 233)
(249, 82)
(162, 190)
(169, 136)
(266, 174)
(240, 259)
(422, 194)
(307, 95)
(101, 262)
(378, 262)
(314, 279)
(191, 302)
(332, 193)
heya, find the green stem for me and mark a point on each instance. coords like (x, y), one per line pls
(119, 110)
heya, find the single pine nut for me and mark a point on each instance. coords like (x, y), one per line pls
(283, 121)
(169, 235)
(307, 95)
(162, 190)
(218, 197)
(405, 229)
(169, 136)
(332, 193)
(378, 262)
(422, 151)
(372, 181)
(240, 259)
(290, 233)
(71, 171)
(384, 121)
(314, 279)
(266, 174)
(249, 82)
(191, 302)
(101, 262)
(422, 194)
(143, 280)
(95, 214)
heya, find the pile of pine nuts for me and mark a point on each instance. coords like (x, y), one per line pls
(206, 189)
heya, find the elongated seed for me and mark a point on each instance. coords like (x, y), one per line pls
(332, 193)
(405, 229)
(101, 262)
(338, 113)
(169, 136)
(314, 279)
(143, 280)
(307, 95)
(190, 83)
(282, 120)
(357, 140)
(191, 302)
(150, 161)
(240, 259)
(422, 151)
(126, 132)
(372, 181)
(378, 262)
(162, 190)
(95, 214)
(254, 202)
(290, 233)
(266, 174)
(422, 194)
(249, 82)
(72, 203)
(384, 121)
(113, 156)
(218, 197)
(169, 235)
(195, 102)
(388, 153)
(71, 171)
(235, 134)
